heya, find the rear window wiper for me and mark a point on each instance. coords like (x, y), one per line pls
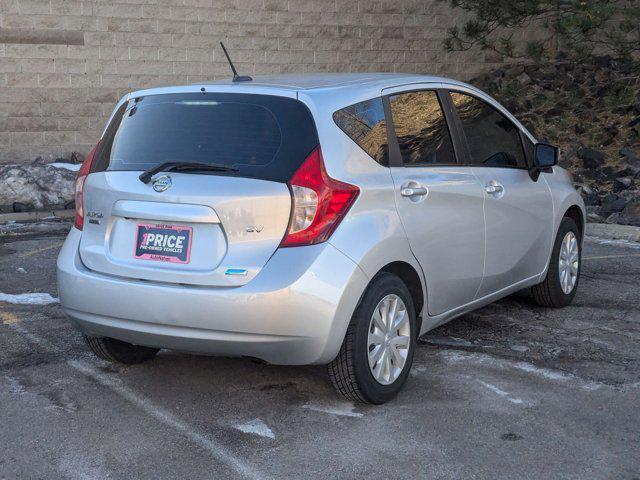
(184, 167)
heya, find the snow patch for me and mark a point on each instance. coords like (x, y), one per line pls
(256, 427)
(41, 187)
(74, 167)
(548, 374)
(417, 370)
(618, 242)
(28, 298)
(446, 341)
(544, 372)
(15, 386)
(501, 393)
(343, 409)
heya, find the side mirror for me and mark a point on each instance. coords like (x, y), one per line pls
(544, 156)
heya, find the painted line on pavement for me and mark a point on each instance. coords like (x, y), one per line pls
(218, 451)
(40, 250)
(602, 257)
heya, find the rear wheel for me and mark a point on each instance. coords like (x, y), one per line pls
(560, 285)
(119, 351)
(377, 351)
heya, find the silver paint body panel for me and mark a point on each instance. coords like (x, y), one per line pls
(294, 304)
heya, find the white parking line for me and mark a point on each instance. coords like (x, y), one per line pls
(343, 409)
(501, 393)
(218, 451)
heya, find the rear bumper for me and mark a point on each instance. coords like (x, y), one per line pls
(295, 311)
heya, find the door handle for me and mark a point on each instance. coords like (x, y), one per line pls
(414, 191)
(494, 188)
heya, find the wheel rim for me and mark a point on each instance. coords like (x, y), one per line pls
(389, 339)
(569, 262)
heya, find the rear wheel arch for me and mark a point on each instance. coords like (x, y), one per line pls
(411, 278)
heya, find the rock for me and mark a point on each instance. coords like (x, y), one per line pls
(603, 61)
(622, 183)
(623, 109)
(613, 218)
(523, 79)
(630, 215)
(553, 112)
(23, 207)
(591, 158)
(591, 199)
(607, 171)
(611, 204)
(627, 172)
(43, 187)
(584, 189)
(627, 152)
(593, 217)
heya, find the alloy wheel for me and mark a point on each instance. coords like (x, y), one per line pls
(389, 339)
(569, 262)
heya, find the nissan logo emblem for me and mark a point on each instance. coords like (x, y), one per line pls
(162, 183)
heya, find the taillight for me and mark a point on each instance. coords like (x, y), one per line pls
(319, 203)
(80, 179)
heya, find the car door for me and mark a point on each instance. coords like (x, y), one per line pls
(439, 202)
(518, 210)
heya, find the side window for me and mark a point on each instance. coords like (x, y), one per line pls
(364, 123)
(421, 128)
(494, 141)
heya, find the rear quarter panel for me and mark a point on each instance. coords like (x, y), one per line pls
(371, 234)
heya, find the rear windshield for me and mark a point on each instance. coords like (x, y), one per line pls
(263, 136)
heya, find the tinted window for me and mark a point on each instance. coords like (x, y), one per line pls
(494, 141)
(263, 136)
(364, 123)
(421, 128)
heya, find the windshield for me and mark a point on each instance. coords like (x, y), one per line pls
(262, 136)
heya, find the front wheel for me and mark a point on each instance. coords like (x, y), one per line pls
(560, 285)
(377, 351)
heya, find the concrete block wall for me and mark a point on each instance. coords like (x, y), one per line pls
(65, 63)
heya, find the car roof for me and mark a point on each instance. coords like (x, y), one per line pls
(331, 80)
(291, 84)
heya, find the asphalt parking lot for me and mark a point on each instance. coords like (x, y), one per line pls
(510, 391)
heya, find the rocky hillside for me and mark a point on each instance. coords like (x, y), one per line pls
(592, 111)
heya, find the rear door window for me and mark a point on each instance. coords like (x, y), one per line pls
(365, 124)
(421, 128)
(266, 137)
(493, 139)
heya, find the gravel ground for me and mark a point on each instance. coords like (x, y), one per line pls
(509, 391)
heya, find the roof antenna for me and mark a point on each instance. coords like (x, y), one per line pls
(236, 77)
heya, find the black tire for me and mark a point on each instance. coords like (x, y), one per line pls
(119, 351)
(349, 371)
(549, 292)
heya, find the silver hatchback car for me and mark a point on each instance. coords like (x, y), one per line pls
(318, 219)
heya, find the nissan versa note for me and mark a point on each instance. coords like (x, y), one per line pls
(314, 219)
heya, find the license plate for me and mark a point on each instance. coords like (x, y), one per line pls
(163, 243)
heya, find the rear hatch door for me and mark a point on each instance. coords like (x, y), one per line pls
(198, 228)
